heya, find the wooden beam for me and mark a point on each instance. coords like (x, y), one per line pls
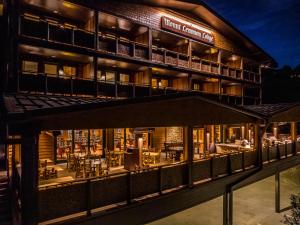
(189, 150)
(29, 181)
(294, 133)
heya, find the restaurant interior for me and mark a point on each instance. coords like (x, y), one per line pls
(69, 155)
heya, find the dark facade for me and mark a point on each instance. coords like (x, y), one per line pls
(117, 106)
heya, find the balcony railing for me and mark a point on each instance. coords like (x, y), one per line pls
(51, 31)
(55, 32)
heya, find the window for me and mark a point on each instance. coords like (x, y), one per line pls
(124, 78)
(69, 71)
(164, 83)
(110, 77)
(51, 69)
(197, 87)
(30, 67)
(154, 83)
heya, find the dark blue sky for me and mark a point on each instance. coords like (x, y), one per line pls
(272, 24)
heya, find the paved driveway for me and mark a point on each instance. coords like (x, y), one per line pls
(253, 205)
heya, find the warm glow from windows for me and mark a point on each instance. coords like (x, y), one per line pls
(69, 71)
(1, 9)
(50, 69)
(30, 67)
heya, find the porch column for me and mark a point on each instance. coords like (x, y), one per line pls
(228, 207)
(277, 192)
(189, 150)
(294, 137)
(110, 139)
(258, 132)
(29, 177)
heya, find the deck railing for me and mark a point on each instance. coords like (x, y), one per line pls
(122, 188)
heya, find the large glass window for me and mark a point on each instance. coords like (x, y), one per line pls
(30, 67)
(51, 69)
(124, 78)
(110, 77)
(64, 144)
(69, 71)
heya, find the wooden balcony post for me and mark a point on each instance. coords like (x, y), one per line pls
(242, 68)
(29, 181)
(190, 53)
(96, 29)
(294, 137)
(95, 68)
(220, 61)
(150, 43)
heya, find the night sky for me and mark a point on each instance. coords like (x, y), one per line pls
(272, 24)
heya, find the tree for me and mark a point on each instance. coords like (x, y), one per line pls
(294, 218)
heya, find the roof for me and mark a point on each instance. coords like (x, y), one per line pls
(22, 103)
(184, 109)
(280, 112)
(63, 112)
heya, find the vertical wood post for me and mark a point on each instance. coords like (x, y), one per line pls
(189, 149)
(294, 137)
(258, 134)
(150, 43)
(29, 178)
(277, 192)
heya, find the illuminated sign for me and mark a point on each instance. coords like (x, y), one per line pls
(187, 29)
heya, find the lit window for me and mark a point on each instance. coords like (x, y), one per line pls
(197, 87)
(51, 69)
(164, 83)
(110, 77)
(154, 83)
(124, 78)
(1, 9)
(69, 71)
(30, 67)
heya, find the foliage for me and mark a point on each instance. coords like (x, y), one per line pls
(294, 218)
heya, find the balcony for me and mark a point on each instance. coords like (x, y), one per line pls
(109, 43)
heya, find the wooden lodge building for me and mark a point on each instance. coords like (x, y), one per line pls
(123, 112)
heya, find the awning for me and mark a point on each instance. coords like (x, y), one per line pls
(62, 112)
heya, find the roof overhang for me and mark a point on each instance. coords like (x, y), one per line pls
(159, 111)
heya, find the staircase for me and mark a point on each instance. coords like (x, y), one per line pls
(5, 206)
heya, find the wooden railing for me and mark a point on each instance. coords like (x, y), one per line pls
(122, 188)
(84, 195)
(55, 32)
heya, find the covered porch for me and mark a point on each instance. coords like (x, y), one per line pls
(148, 148)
